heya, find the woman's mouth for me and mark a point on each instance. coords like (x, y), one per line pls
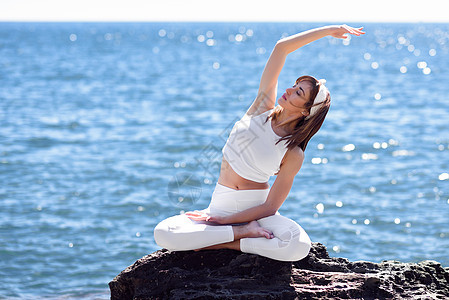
(283, 96)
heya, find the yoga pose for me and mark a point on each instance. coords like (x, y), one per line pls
(268, 140)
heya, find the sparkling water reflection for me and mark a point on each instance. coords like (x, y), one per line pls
(96, 120)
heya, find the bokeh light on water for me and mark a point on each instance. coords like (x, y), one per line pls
(96, 120)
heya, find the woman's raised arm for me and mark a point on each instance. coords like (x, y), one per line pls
(266, 96)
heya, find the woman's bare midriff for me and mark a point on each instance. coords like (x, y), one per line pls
(228, 177)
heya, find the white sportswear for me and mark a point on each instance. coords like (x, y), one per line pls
(179, 233)
(251, 148)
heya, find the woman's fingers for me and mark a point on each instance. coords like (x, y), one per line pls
(193, 213)
(197, 215)
(268, 234)
(342, 31)
(196, 212)
(357, 31)
(195, 218)
(352, 30)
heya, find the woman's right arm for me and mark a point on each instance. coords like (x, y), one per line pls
(266, 96)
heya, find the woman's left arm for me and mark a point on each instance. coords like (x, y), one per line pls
(277, 195)
(266, 98)
(294, 42)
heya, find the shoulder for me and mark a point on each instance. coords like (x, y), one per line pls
(295, 155)
(293, 160)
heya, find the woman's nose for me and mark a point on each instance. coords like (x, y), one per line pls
(289, 91)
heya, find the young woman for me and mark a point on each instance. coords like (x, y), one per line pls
(268, 140)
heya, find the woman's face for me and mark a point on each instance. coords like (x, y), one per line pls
(296, 97)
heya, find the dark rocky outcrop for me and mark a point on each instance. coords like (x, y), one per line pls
(228, 274)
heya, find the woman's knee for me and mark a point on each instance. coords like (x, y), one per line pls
(162, 235)
(300, 249)
(298, 246)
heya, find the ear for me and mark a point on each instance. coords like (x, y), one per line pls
(305, 113)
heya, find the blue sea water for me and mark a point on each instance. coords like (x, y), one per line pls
(108, 128)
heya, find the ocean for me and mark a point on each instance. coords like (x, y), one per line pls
(108, 128)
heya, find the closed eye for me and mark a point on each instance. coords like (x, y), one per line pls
(300, 88)
(297, 92)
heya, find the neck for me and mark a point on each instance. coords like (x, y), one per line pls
(286, 120)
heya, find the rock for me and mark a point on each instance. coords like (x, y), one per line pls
(228, 274)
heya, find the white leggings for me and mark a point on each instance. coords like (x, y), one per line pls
(179, 233)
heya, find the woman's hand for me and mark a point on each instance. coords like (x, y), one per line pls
(199, 215)
(339, 31)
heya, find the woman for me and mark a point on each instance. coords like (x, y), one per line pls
(268, 140)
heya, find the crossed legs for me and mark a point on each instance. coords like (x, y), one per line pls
(276, 237)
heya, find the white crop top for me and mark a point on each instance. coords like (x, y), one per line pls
(251, 148)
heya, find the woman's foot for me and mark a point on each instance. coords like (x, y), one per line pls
(251, 230)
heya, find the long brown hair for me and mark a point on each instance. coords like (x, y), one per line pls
(305, 127)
